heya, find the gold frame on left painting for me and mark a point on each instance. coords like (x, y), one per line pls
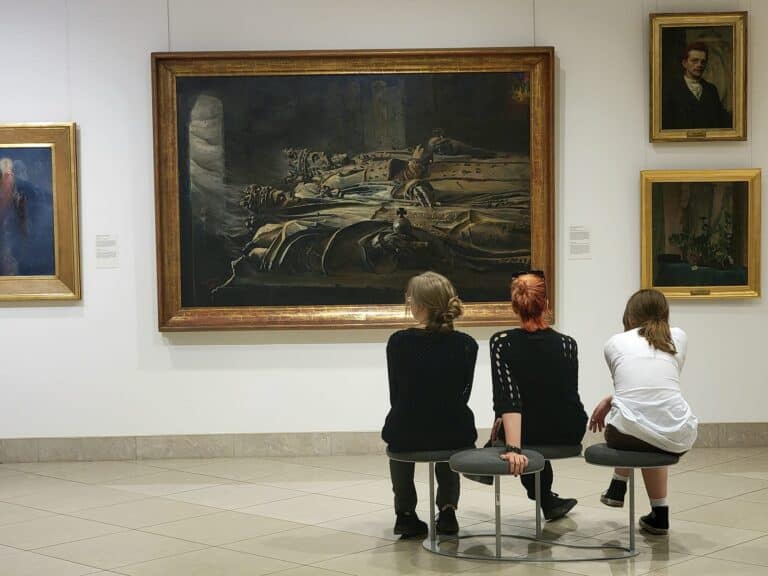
(64, 283)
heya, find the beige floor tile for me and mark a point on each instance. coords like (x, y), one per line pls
(378, 524)
(511, 569)
(710, 567)
(19, 485)
(165, 482)
(377, 491)
(30, 564)
(312, 509)
(648, 560)
(222, 528)
(210, 562)
(695, 538)
(12, 513)
(115, 550)
(242, 469)
(757, 496)
(747, 468)
(734, 513)
(404, 558)
(146, 512)
(314, 479)
(309, 571)
(73, 497)
(88, 472)
(754, 552)
(308, 545)
(180, 463)
(52, 530)
(232, 496)
(714, 485)
(375, 464)
(582, 521)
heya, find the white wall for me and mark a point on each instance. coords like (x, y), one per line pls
(100, 367)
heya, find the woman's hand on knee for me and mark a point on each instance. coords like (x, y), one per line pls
(517, 462)
(597, 421)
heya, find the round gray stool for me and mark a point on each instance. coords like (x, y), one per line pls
(602, 455)
(486, 462)
(431, 457)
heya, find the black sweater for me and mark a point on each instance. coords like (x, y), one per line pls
(537, 375)
(430, 381)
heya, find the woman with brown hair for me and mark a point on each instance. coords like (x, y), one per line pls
(647, 412)
(535, 372)
(431, 369)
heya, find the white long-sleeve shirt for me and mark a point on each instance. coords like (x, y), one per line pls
(647, 402)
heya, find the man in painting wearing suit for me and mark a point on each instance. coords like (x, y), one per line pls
(688, 101)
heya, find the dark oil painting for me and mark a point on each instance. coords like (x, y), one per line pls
(700, 233)
(335, 189)
(26, 211)
(697, 84)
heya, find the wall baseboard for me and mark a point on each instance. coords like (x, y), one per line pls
(14, 450)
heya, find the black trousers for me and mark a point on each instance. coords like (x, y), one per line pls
(405, 490)
(529, 481)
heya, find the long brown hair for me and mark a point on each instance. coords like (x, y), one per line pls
(648, 310)
(438, 297)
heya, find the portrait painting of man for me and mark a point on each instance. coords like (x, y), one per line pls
(697, 77)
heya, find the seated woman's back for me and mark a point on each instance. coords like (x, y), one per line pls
(541, 367)
(430, 375)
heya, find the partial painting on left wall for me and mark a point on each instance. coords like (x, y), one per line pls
(39, 248)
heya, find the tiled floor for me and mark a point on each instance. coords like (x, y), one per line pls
(325, 516)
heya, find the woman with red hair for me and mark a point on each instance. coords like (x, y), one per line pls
(535, 372)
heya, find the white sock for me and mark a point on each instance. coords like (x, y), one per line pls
(620, 478)
(659, 502)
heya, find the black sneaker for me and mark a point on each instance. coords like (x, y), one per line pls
(408, 525)
(657, 522)
(555, 507)
(447, 523)
(614, 496)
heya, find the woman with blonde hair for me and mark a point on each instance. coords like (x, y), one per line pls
(647, 411)
(431, 368)
(535, 372)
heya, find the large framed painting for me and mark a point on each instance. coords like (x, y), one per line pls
(701, 233)
(699, 76)
(303, 189)
(39, 246)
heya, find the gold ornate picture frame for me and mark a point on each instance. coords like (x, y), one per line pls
(698, 77)
(302, 189)
(701, 233)
(39, 223)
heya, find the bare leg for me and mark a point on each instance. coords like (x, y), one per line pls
(622, 472)
(656, 482)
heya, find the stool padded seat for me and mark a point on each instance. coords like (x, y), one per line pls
(602, 455)
(555, 451)
(424, 455)
(486, 461)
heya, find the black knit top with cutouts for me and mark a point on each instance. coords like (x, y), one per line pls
(537, 374)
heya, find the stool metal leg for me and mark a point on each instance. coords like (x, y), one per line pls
(631, 510)
(497, 511)
(537, 480)
(432, 527)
